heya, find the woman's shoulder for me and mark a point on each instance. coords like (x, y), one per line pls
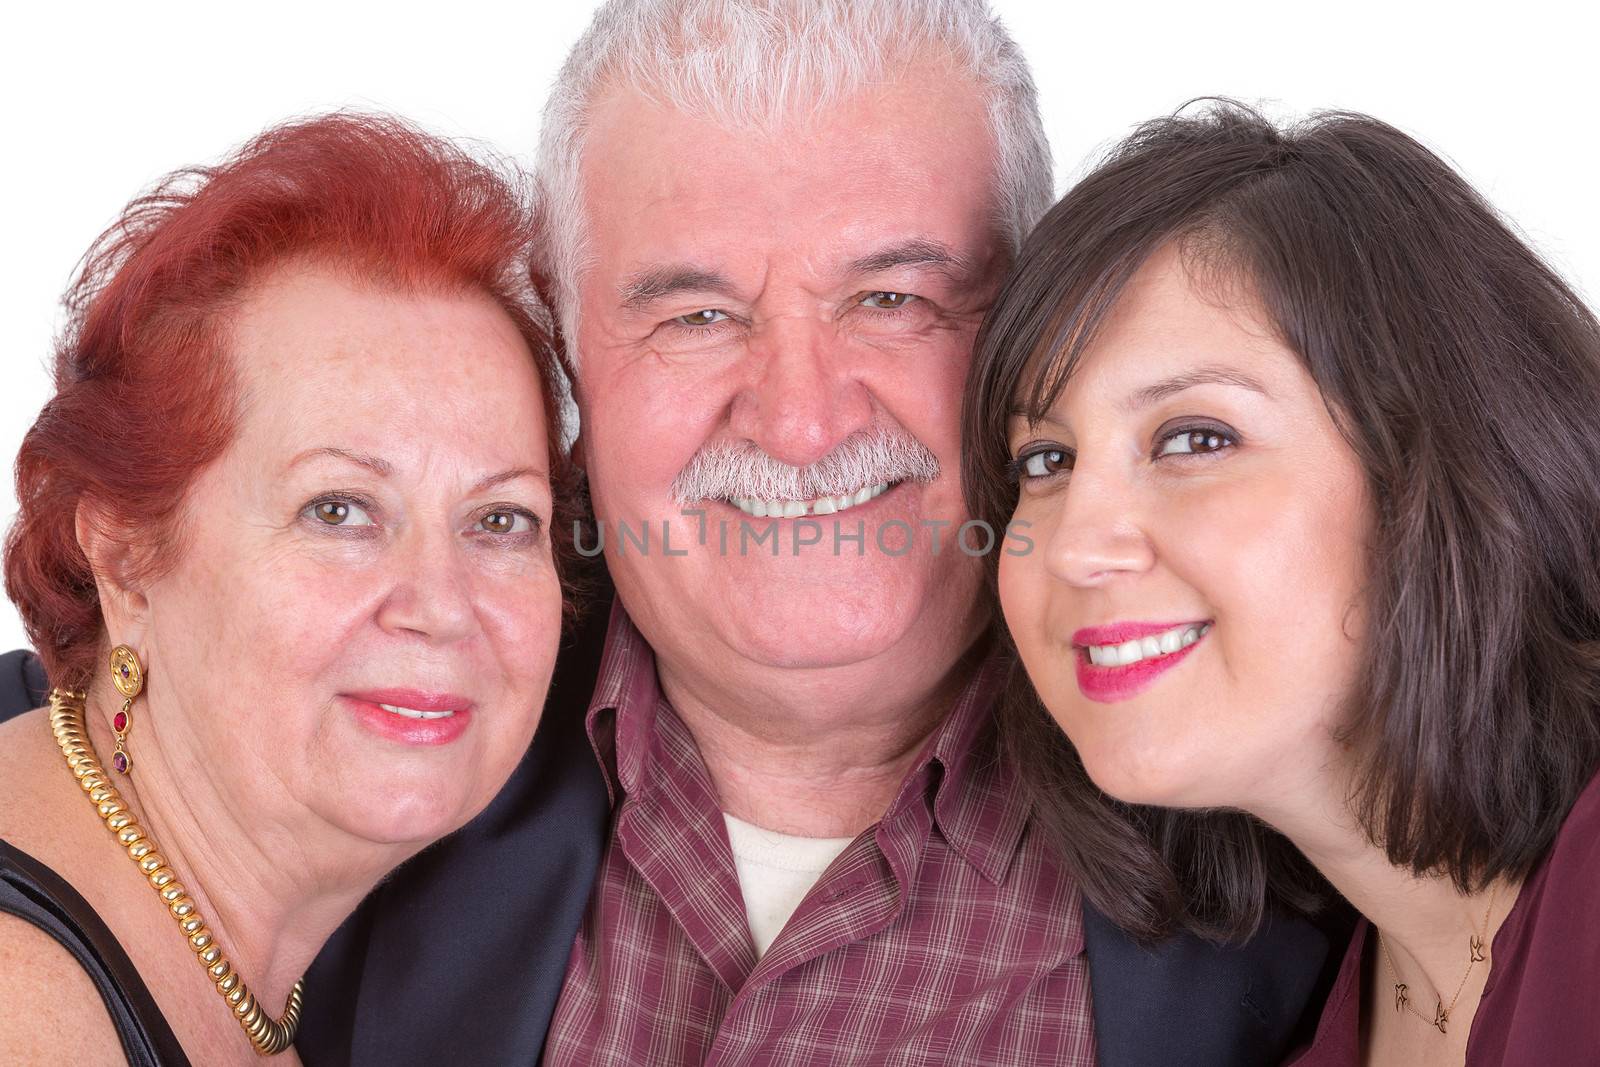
(1578, 844)
(1554, 913)
(1564, 883)
(1544, 978)
(63, 972)
(31, 767)
(51, 1008)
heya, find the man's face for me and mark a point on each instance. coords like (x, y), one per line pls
(795, 309)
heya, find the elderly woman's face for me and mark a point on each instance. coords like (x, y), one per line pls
(1189, 612)
(364, 616)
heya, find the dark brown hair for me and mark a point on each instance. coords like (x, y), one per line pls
(1465, 375)
(144, 393)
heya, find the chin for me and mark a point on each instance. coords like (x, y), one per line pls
(376, 792)
(414, 813)
(799, 624)
(819, 647)
(1151, 767)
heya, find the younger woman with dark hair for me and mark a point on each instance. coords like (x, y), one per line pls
(1301, 437)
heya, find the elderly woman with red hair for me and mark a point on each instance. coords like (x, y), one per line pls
(288, 545)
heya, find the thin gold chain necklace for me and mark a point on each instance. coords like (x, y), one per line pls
(269, 1036)
(1477, 949)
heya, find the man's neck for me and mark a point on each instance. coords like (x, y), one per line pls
(814, 753)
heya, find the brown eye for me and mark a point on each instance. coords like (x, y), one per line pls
(1197, 442)
(703, 317)
(887, 301)
(1044, 463)
(506, 522)
(339, 513)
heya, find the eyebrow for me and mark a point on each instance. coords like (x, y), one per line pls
(1167, 387)
(913, 253)
(508, 476)
(645, 287)
(382, 468)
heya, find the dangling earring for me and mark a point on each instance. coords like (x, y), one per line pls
(127, 674)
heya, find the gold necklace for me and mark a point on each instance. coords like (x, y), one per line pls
(1477, 946)
(269, 1036)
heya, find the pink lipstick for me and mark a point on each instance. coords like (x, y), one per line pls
(411, 716)
(1110, 681)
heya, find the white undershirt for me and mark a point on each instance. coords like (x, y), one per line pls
(776, 871)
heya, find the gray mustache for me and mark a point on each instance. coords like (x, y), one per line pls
(732, 469)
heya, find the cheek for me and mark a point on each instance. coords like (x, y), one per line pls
(277, 609)
(1020, 585)
(254, 648)
(521, 620)
(922, 392)
(1281, 571)
(637, 440)
(1027, 592)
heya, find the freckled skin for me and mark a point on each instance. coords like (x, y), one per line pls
(1265, 538)
(271, 613)
(797, 365)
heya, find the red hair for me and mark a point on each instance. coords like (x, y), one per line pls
(144, 390)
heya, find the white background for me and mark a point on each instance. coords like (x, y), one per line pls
(101, 100)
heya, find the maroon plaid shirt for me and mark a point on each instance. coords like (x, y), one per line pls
(945, 934)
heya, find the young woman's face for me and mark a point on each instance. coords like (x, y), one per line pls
(1190, 609)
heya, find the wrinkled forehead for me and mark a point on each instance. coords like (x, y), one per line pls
(914, 157)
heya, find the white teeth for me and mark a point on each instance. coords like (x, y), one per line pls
(413, 713)
(795, 509)
(1162, 644)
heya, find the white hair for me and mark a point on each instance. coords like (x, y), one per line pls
(754, 63)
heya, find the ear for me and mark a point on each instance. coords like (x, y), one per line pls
(117, 573)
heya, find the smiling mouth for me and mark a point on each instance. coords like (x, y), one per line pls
(799, 509)
(415, 713)
(1154, 646)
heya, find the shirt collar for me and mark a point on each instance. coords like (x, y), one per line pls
(622, 711)
(976, 801)
(978, 804)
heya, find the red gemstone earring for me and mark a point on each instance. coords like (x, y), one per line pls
(127, 674)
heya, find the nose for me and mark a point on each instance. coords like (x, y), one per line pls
(803, 397)
(431, 594)
(1097, 536)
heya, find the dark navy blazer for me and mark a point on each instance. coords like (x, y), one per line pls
(458, 957)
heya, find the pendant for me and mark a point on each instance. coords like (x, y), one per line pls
(1400, 997)
(1440, 1017)
(1477, 948)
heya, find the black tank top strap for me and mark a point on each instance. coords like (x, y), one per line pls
(33, 892)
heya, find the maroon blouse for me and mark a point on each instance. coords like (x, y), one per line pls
(1541, 1004)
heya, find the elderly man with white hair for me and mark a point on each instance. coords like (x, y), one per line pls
(775, 226)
